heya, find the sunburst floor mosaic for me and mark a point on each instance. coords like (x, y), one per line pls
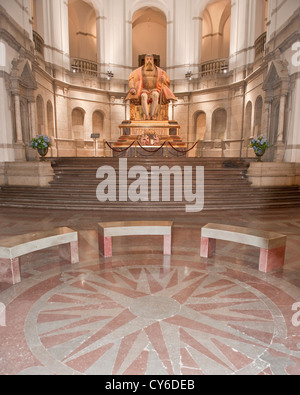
(140, 313)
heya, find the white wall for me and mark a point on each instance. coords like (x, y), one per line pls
(114, 52)
(20, 11)
(279, 12)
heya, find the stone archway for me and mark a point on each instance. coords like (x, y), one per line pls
(276, 86)
(149, 34)
(22, 88)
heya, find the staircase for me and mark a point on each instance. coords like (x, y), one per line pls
(75, 184)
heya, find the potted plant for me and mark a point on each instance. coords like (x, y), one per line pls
(41, 144)
(259, 145)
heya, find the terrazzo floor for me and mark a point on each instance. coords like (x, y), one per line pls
(140, 313)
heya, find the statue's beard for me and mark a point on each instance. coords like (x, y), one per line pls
(149, 66)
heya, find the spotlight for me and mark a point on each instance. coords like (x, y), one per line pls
(109, 75)
(189, 75)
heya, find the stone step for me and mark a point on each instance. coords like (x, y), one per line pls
(74, 187)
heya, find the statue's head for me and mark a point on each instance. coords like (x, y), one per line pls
(149, 62)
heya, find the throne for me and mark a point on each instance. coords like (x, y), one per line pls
(136, 112)
(133, 129)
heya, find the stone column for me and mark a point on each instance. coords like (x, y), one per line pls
(280, 146)
(267, 117)
(197, 36)
(18, 119)
(57, 36)
(281, 118)
(19, 146)
(31, 108)
(243, 34)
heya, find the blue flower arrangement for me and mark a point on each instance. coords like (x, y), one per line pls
(40, 142)
(260, 145)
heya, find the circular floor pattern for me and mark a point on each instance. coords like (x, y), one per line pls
(154, 307)
(145, 319)
(146, 315)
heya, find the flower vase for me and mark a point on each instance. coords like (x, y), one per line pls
(259, 155)
(42, 152)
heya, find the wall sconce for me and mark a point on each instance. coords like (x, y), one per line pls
(189, 75)
(109, 75)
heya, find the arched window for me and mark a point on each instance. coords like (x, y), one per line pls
(149, 34)
(219, 124)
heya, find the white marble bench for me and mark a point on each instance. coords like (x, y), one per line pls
(14, 247)
(272, 245)
(106, 230)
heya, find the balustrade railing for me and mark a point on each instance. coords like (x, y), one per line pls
(217, 66)
(39, 43)
(84, 66)
(260, 44)
(168, 149)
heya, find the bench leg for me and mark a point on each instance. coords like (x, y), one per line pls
(105, 245)
(167, 244)
(271, 259)
(69, 252)
(208, 247)
(10, 270)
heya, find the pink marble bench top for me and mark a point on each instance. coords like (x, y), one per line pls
(15, 246)
(135, 228)
(254, 237)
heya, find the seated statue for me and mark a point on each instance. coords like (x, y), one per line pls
(149, 84)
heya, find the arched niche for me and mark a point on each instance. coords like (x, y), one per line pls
(219, 124)
(78, 115)
(82, 30)
(149, 34)
(200, 125)
(98, 121)
(216, 31)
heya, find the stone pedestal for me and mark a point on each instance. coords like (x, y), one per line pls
(270, 174)
(20, 152)
(279, 152)
(26, 174)
(161, 128)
